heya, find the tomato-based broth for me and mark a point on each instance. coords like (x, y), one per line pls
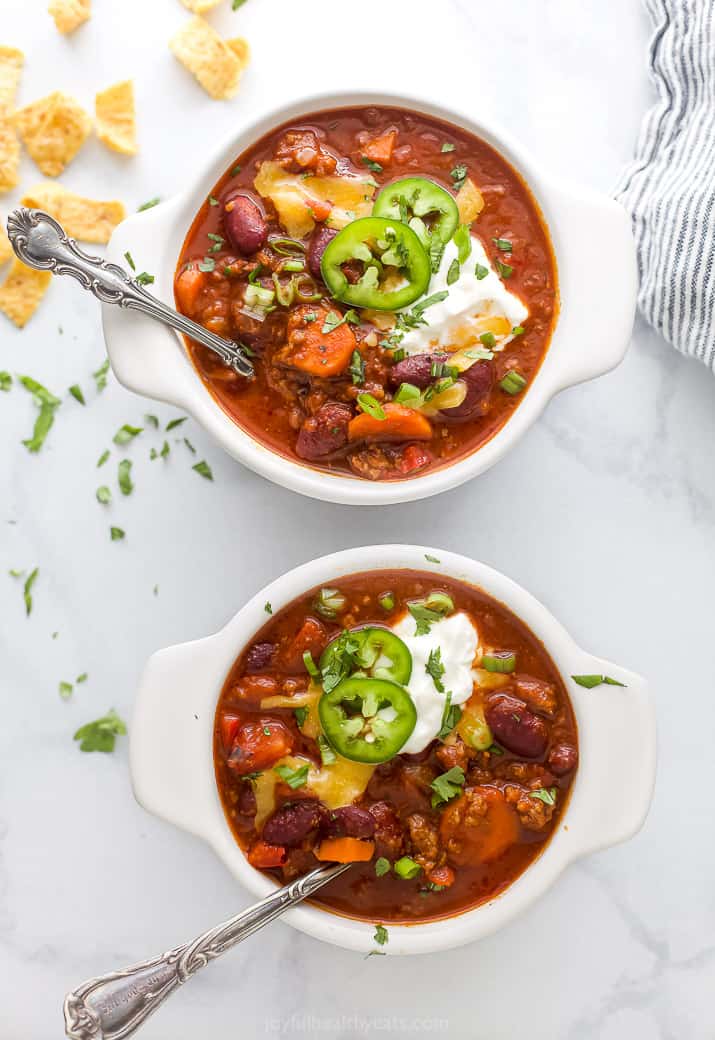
(402, 721)
(392, 280)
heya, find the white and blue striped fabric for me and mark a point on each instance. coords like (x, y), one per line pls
(669, 188)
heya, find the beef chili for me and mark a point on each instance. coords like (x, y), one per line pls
(402, 721)
(390, 276)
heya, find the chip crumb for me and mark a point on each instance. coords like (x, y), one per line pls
(211, 60)
(469, 202)
(22, 291)
(5, 247)
(116, 118)
(53, 129)
(89, 220)
(69, 14)
(199, 6)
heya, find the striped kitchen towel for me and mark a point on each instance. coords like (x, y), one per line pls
(669, 188)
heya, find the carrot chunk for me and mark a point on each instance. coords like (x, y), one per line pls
(314, 351)
(262, 855)
(400, 424)
(188, 286)
(345, 850)
(380, 148)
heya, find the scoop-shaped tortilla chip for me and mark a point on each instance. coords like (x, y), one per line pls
(9, 156)
(208, 58)
(90, 220)
(68, 14)
(11, 62)
(53, 129)
(22, 291)
(116, 119)
(5, 247)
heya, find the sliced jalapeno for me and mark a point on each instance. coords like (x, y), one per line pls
(367, 719)
(380, 653)
(395, 265)
(417, 197)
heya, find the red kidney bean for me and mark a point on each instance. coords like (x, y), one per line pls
(325, 432)
(517, 728)
(246, 804)
(244, 223)
(316, 247)
(416, 369)
(479, 380)
(562, 759)
(293, 822)
(260, 657)
(349, 822)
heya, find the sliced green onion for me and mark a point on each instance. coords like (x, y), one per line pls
(371, 406)
(547, 795)
(499, 661)
(407, 868)
(293, 265)
(330, 603)
(513, 383)
(256, 273)
(488, 339)
(285, 291)
(310, 665)
(386, 601)
(327, 755)
(406, 392)
(286, 246)
(440, 603)
(258, 298)
(306, 290)
(518, 330)
(382, 866)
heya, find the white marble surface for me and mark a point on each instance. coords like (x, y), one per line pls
(606, 511)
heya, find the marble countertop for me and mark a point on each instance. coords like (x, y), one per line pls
(617, 478)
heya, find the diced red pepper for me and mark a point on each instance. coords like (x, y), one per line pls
(442, 876)
(258, 744)
(228, 727)
(311, 636)
(379, 150)
(413, 457)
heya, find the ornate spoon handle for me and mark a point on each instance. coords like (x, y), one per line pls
(40, 242)
(112, 1006)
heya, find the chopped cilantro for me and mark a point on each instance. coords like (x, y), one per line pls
(481, 272)
(27, 590)
(66, 690)
(589, 681)
(435, 668)
(173, 423)
(124, 477)
(357, 368)
(100, 376)
(448, 147)
(382, 866)
(373, 166)
(295, 778)
(101, 734)
(126, 433)
(116, 534)
(150, 204)
(103, 458)
(447, 786)
(381, 936)
(458, 174)
(203, 469)
(5, 381)
(424, 617)
(104, 495)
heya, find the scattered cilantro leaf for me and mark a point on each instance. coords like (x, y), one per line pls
(589, 681)
(381, 936)
(76, 391)
(82, 678)
(481, 272)
(373, 167)
(189, 445)
(101, 734)
(103, 458)
(267, 607)
(424, 617)
(432, 559)
(103, 495)
(447, 786)
(301, 715)
(116, 534)
(173, 423)
(152, 421)
(66, 690)
(5, 381)
(458, 174)
(48, 405)
(357, 368)
(435, 668)
(450, 716)
(203, 469)
(150, 204)
(448, 147)
(547, 795)
(382, 866)
(504, 270)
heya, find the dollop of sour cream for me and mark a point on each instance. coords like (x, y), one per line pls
(459, 319)
(458, 642)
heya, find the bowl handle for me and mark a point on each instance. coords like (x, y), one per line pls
(618, 757)
(171, 735)
(596, 254)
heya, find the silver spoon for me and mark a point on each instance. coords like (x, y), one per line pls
(40, 242)
(113, 1006)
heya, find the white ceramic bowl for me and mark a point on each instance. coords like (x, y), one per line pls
(596, 262)
(171, 748)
